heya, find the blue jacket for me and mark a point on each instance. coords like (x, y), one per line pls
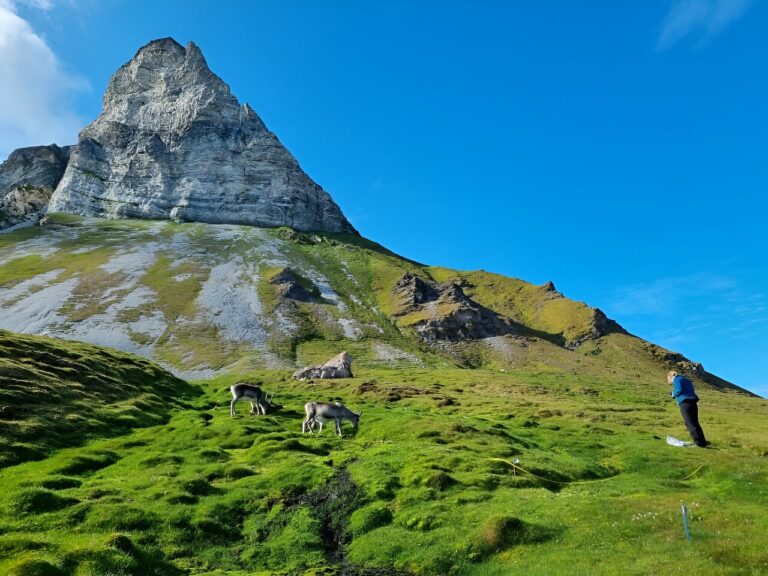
(682, 389)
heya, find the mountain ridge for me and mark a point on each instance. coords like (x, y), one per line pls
(173, 144)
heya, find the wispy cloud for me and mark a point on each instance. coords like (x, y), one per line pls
(683, 308)
(39, 4)
(36, 104)
(666, 294)
(702, 19)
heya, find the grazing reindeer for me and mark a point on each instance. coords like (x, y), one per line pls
(258, 399)
(319, 411)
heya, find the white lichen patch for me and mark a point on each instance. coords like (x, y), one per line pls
(84, 250)
(43, 246)
(350, 328)
(26, 287)
(38, 312)
(231, 302)
(106, 329)
(133, 263)
(388, 353)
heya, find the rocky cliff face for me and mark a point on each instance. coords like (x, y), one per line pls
(27, 180)
(442, 312)
(38, 166)
(172, 142)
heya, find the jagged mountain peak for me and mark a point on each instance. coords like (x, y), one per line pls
(163, 87)
(173, 142)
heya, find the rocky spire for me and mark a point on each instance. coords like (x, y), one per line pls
(173, 142)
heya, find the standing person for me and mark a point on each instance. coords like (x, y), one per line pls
(684, 394)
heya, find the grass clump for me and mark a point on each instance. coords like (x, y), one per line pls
(80, 465)
(501, 532)
(35, 567)
(118, 517)
(369, 518)
(60, 483)
(40, 501)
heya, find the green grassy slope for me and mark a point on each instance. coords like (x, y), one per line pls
(55, 393)
(160, 289)
(109, 465)
(424, 486)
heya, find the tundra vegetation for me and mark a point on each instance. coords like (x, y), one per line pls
(423, 486)
(159, 478)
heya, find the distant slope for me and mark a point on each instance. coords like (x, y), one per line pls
(56, 393)
(204, 299)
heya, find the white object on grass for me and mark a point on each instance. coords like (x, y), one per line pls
(672, 441)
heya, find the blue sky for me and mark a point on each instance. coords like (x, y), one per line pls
(616, 148)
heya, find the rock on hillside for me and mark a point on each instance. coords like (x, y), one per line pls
(292, 286)
(27, 180)
(443, 312)
(172, 142)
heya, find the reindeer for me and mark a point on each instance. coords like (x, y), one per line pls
(319, 411)
(258, 399)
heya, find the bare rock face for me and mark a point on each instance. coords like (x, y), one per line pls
(340, 366)
(551, 291)
(442, 312)
(292, 286)
(37, 166)
(27, 180)
(23, 204)
(172, 142)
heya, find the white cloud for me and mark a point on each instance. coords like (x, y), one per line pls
(703, 19)
(36, 96)
(686, 308)
(668, 294)
(39, 4)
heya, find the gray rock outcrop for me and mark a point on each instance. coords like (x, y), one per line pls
(23, 204)
(172, 142)
(292, 286)
(37, 166)
(27, 180)
(340, 366)
(442, 312)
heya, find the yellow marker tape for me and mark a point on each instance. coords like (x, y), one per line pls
(516, 467)
(692, 473)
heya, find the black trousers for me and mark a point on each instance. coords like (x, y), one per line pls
(690, 411)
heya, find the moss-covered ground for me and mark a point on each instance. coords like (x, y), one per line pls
(426, 485)
(55, 393)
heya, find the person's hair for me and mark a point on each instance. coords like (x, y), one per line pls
(671, 376)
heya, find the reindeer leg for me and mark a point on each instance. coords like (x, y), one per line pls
(338, 427)
(232, 407)
(253, 407)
